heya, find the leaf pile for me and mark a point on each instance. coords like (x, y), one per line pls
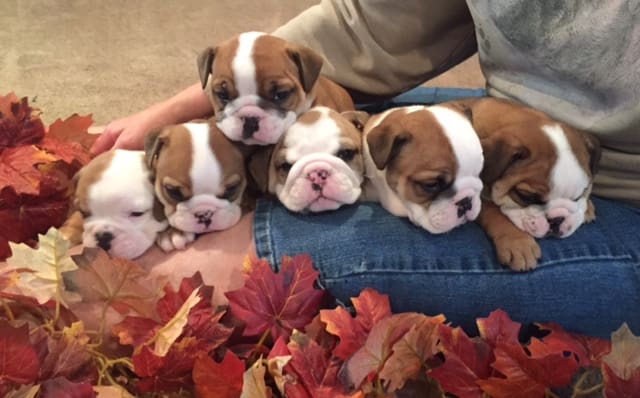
(89, 325)
(36, 166)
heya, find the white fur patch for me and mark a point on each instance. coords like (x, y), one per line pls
(568, 178)
(206, 171)
(243, 66)
(323, 136)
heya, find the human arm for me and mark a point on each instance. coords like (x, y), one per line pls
(129, 132)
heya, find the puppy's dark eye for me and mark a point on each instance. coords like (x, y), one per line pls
(231, 191)
(346, 154)
(432, 186)
(85, 214)
(281, 95)
(528, 198)
(136, 214)
(284, 166)
(223, 95)
(174, 192)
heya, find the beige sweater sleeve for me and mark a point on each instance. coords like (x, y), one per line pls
(383, 47)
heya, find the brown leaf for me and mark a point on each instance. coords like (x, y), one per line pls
(254, 385)
(370, 306)
(411, 352)
(624, 358)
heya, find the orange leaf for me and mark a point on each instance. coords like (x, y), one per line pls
(73, 129)
(218, 380)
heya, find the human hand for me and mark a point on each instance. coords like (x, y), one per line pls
(127, 132)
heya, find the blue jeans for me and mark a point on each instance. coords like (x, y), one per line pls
(588, 283)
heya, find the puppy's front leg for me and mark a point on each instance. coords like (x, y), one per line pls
(172, 239)
(514, 247)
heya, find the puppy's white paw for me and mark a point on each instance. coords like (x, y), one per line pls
(174, 239)
(520, 253)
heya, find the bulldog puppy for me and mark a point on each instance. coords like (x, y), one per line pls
(258, 84)
(424, 163)
(115, 197)
(538, 175)
(317, 165)
(199, 178)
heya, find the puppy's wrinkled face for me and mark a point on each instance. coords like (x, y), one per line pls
(540, 175)
(425, 164)
(115, 197)
(318, 164)
(199, 176)
(258, 84)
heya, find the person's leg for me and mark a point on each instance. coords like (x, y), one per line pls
(588, 283)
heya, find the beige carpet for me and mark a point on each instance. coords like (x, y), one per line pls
(112, 58)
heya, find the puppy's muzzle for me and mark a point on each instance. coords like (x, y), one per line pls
(554, 224)
(250, 124)
(464, 205)
(204, 217)
(318, 178)
(104, 239)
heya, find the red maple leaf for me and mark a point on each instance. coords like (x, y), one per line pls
(218, 380)
(466, 360)
(497, 328)
(311, 372)
(280, 302)
(19, 361)
(589, 350)
(370, 306)
(17, 124)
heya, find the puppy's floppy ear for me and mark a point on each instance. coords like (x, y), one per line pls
(158, 209)
(500, 154)
(309, 64)
(385, 144)
(153, 143)
(205, 60)
(594, 149)
(258, 167)
(357, 118)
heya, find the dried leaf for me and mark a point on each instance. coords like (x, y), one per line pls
(621, 367)
(370, 306)
(277, 302)
(370, 358)
(102, 282)
(19, 361)
(410, 353)
(25, 391)
(45, 266)
(218, 380)
(168, 334)
(254, 385)
(112, 392)
(466, 361)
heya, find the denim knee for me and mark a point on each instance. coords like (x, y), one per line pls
(588, 283)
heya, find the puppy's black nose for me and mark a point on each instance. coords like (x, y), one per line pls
(555, 223)
(464, 205)
(250, 124)
(104, 240)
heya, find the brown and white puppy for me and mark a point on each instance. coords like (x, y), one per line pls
(538, 173)
(258, 84)
(424, 163)
(317, 165)
(115, 197)
(199, 178)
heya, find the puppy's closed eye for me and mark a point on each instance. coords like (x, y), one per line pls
(346, 154)
(174, 192)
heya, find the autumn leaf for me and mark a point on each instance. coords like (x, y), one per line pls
(18, 124)
(278, 302)
(45, 266)
(466, 361)
(410, 354)
(370, 307)
(311, 372)
(621, 367)
(167, 335)
(25, 391)
(112, 392)
(73, 129)
(253, 385)
(589, 350)
(102, 282)
(497, 328)
(19, 361)
(370, 358)
(218, 380)
(278, 358)
(61, 387)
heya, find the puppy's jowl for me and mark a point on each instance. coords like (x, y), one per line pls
(199, 178)
(317, 165)
(258, 84)
(424, 163)
(538, 174)
(115, 197)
